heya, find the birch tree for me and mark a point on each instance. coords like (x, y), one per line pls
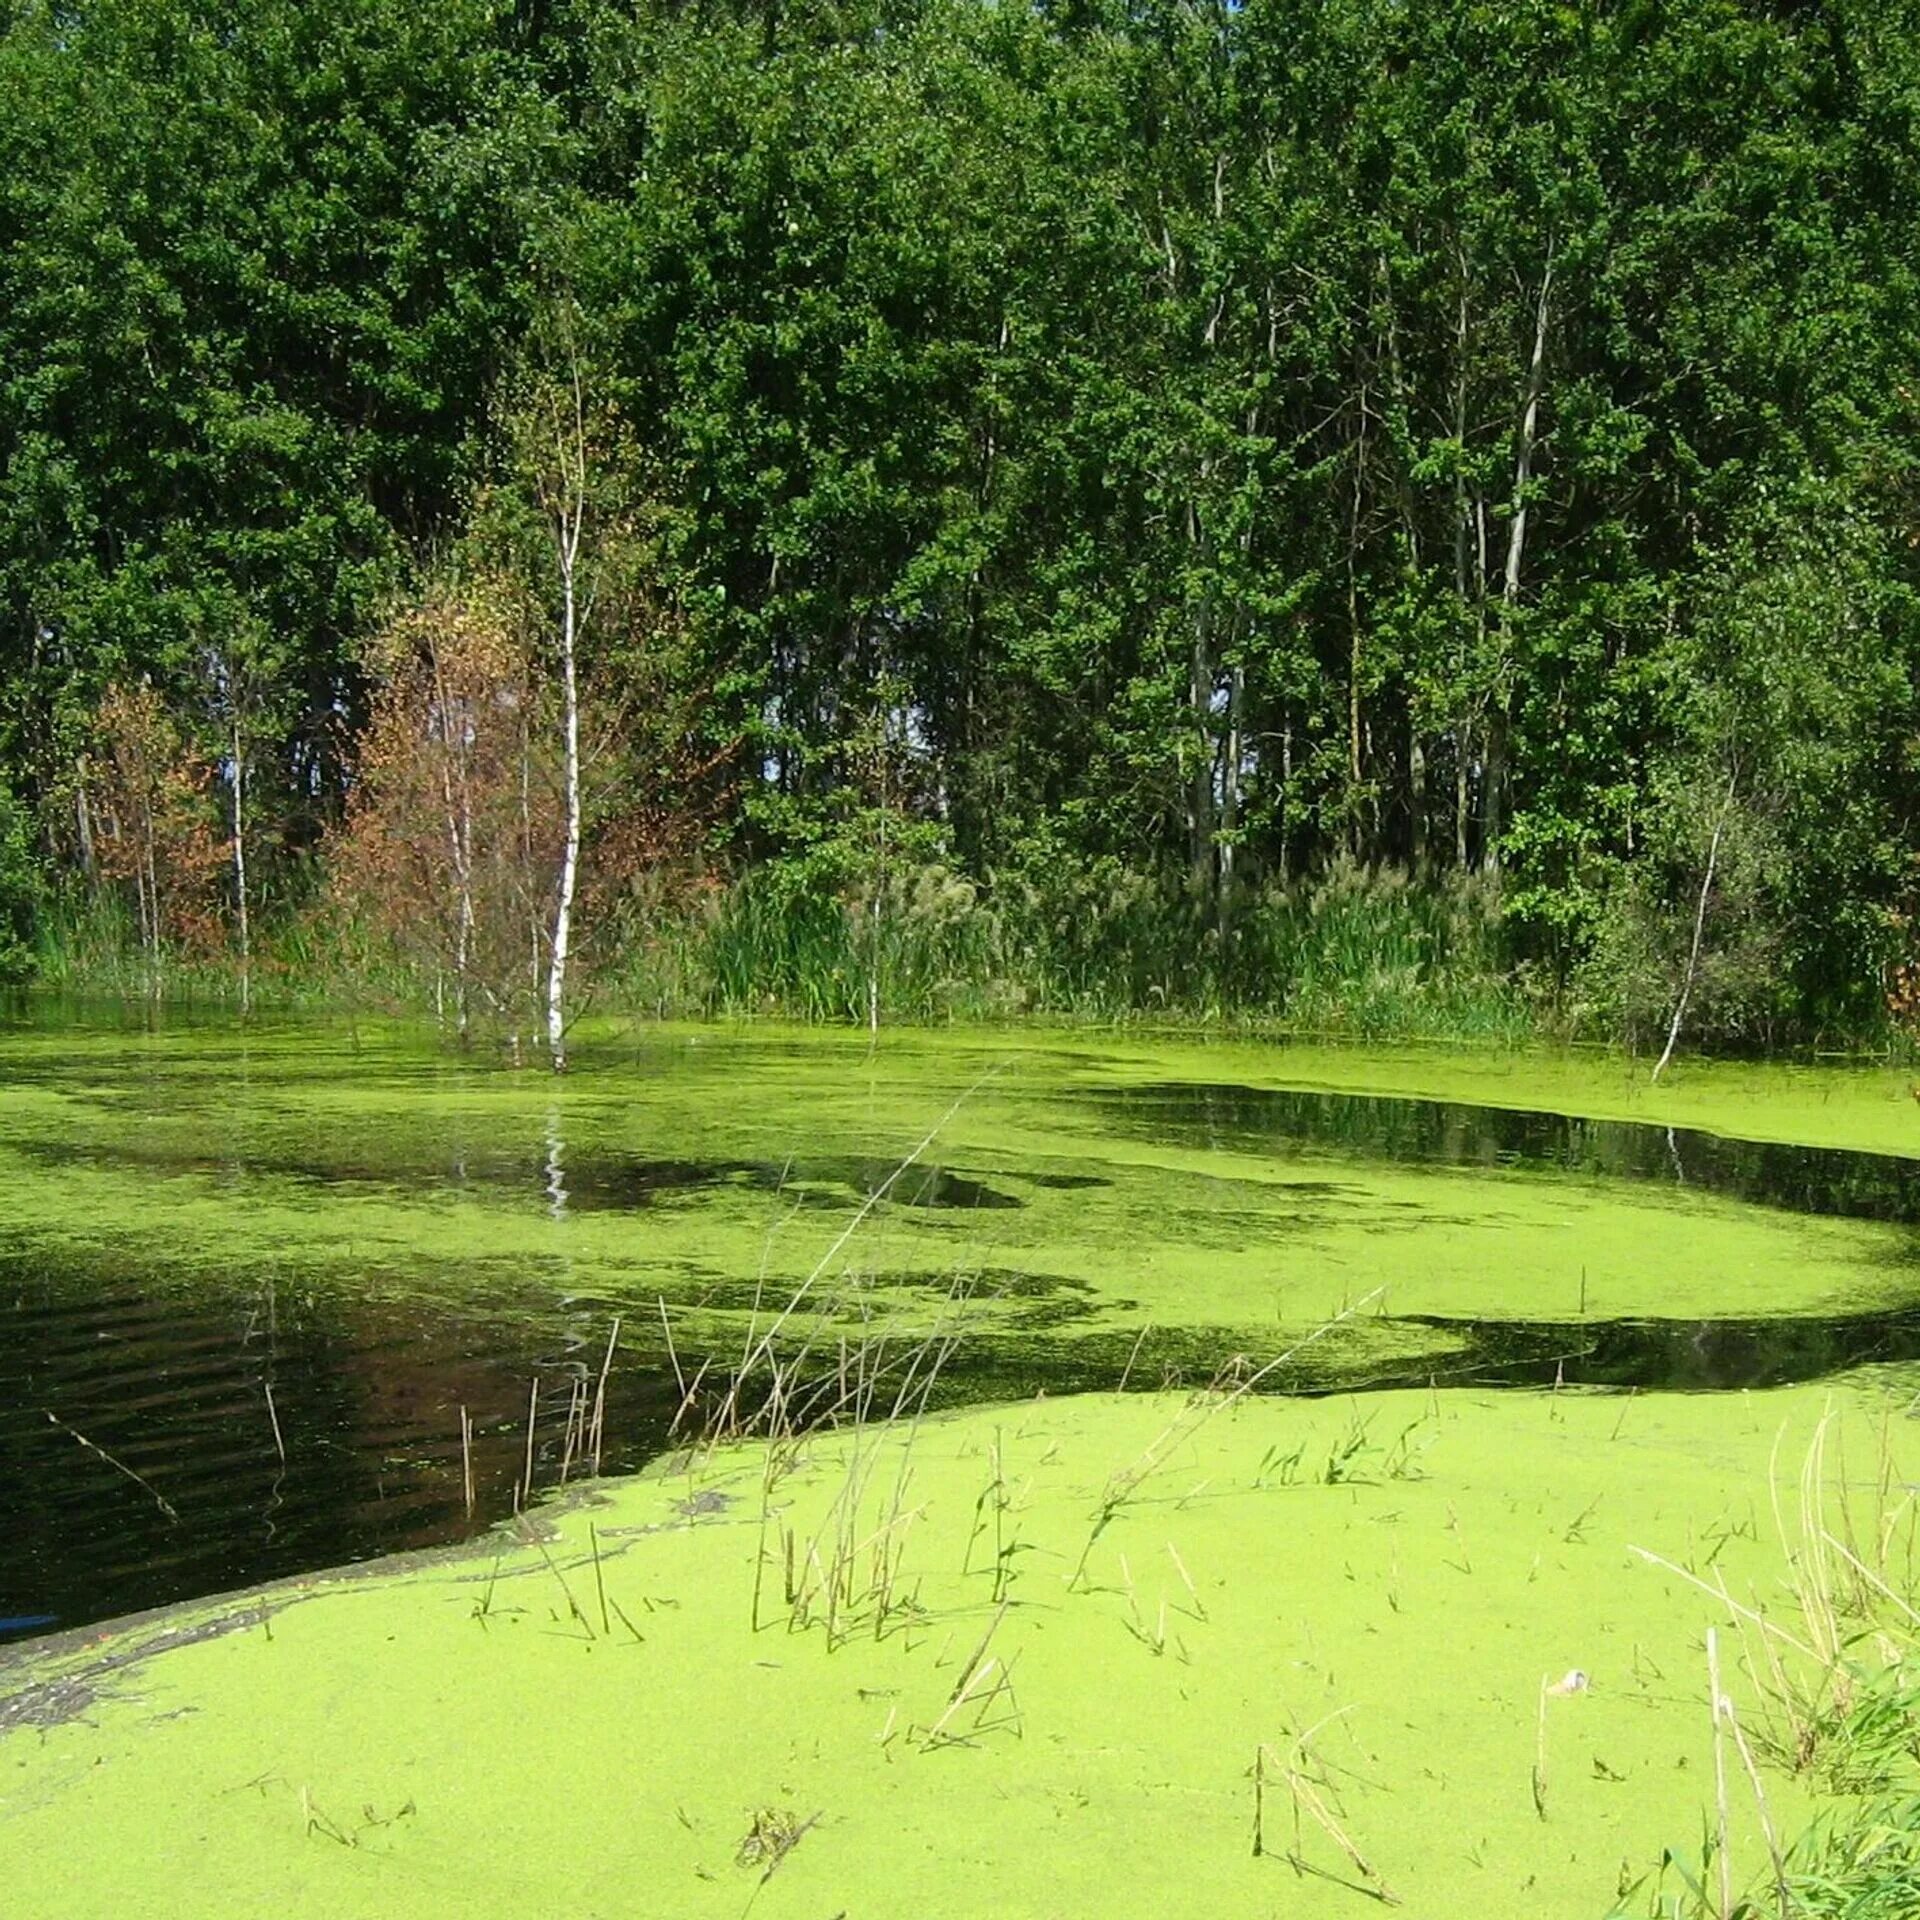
(571, 458)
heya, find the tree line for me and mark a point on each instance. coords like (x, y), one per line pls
(1116, 474)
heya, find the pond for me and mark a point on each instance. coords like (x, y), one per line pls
(255, 1286)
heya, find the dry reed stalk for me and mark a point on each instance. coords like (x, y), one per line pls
(1306, 1797)
(850, 1544)
(979, 1652)
(1122, 1486)
(599, 1579)
(1126, 1372)
(1780, 1887)
(959, 1698)
(666, 1327)
(576, 1425)
(1805, 1561)
(1721, 1594)
(159, 1499)
(600, 1397)
(620, 1614)
(760, 1551)
(573, 1606)
(689, 1395)
(466, 1457)
(728, 1414)
(1186, 1580)
(1719, 1778)
(866, 1207)
(279, 1445)
(1872, 1580)
(533, 1407)
(1540, 1752)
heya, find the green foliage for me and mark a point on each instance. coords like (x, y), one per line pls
(1366, 954)
(1860, 1859)
(1148, 464)
(21, 892)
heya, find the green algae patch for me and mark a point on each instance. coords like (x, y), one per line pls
(1099, 1181)
(1863, 1106)
(1128, 1656)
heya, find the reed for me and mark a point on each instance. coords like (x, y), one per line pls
(1836, 1687)
(1312, 1802)
(1123, 1485)
(524, 1498)
(146, 1486)
(599, 1430)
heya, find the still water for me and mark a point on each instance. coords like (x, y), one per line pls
(251, 1283)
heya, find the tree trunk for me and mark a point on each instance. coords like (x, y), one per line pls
(1462, 797)
(1200, 821)
(1699, 929)
(1286, 797)
(1230, 798)
(456, 803)
(240, 872)
(1416, 799)
(570, 857)
(569, 524)
(1468, 588)
(1498, 717)
(83, 822)
(150, 867)
(1355, 763)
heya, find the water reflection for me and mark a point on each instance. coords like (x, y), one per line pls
(153, 1450)
(1827, 1181)
(156, 1446)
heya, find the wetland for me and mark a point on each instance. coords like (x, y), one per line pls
(1463, 1331)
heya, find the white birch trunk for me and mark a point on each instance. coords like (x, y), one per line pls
(1699, 931)
(240, 872)
(570, 857)
(1465, 586)
(569, 523)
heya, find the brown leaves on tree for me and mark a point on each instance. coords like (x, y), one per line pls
(452, 826)
(152, 800)
(450, 853)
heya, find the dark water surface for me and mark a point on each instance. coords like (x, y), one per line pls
(141, 1461)
(1829, 1182)
(160, 1442)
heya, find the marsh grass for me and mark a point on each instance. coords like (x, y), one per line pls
(1314, 1804)
(993, 1509)
(1227, 1390)
(1360, 951)
(1832, 1668)
(1363, 951)
(985, 1682)
(822, 1361)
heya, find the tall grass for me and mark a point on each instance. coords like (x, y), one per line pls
(87, 945)
(1832, 1662)
(1362, 952)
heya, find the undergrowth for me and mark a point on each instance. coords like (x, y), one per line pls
(1365, 953)
(1831, 1673)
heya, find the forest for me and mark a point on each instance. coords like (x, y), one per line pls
(1382, 517)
